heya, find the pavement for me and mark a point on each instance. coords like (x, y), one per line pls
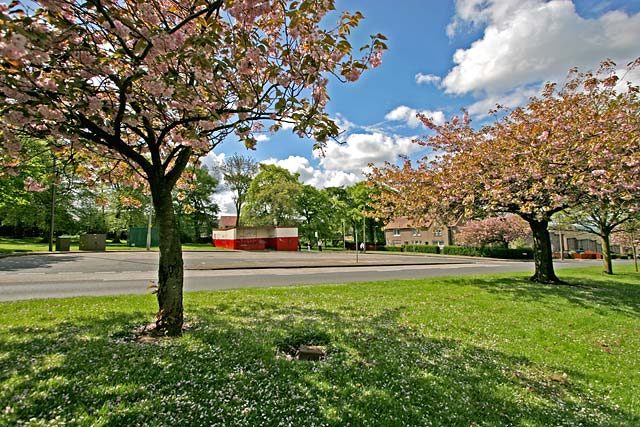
(222, 260)
(312, 259)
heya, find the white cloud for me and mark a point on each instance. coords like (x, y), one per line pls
(294, 164)
(343, 123)
(315, 177)
(262, 137)
(224, 200)
(527, 41)
(213, 160)
(428, 79)
(359, 149)
(408, 115)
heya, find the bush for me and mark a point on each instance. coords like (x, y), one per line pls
(391, 248)
(507, 253)
(461, 250)
(425, 249)
(504, 253)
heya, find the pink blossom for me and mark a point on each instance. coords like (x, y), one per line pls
(352, 74)
(544, 136)
(31, 184)
(376, 59)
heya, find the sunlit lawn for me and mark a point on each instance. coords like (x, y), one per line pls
(35, 244)
(484, 350)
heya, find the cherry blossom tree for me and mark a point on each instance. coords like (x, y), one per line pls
(156, 84)
(628, 236)
(499, 231)
(534, 161)
(612, 196)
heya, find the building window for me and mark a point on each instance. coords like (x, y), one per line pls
(437, 233)
(396, 231)
(416, 232)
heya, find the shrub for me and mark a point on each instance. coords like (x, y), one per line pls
(461, 250)
(425, 249)
(391, 248)
(505, 253)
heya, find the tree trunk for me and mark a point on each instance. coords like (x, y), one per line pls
(607, 267)
(170, 275)
(542, 254)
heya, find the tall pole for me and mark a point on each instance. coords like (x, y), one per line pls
(52, 215)
(149, 228)
(364, 233)
(561, 246)
(355, 231)
(344, 236)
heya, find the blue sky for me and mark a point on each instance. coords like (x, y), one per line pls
(445, 55)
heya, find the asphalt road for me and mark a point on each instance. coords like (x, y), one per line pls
(113, 273)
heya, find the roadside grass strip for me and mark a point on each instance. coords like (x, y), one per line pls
(457, 351)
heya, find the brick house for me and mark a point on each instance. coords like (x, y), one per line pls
(227, 221)
(400, 232)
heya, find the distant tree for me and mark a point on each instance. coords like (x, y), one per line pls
(493, 231)
(601, 218)
(272, 198)
(195, 209)
(155, 85)
(238, 171)
(339, 219)
(314, 208)
(20, 207)
(128, 207)
(362, 212)
(628, 235)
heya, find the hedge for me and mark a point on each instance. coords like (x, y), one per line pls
(391, 248)
(508, 253)
(504, 253)
(461, 250)
(425, 249)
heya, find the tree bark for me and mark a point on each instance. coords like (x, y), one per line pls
(607, 266)
(542, 254)
(170, 273)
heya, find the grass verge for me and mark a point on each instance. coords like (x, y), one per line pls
(483, 350)
(10, 245)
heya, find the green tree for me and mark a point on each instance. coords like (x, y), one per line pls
(195, 210)
(128, 207)
(601, 217)
(272, 198)
(315, 211)
(361, 211)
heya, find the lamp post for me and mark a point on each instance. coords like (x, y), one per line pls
(52, 219)
(149, 226)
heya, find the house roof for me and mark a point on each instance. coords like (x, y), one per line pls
(404, 222)
(227, 221)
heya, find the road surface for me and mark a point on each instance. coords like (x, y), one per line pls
(114, 273)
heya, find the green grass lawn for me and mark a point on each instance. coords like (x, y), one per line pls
(484, 350)
(34, 244)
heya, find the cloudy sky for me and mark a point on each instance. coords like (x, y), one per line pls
(445, 55)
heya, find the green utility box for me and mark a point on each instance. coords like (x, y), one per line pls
(138, 237)
(93, 242)
(63, 243)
